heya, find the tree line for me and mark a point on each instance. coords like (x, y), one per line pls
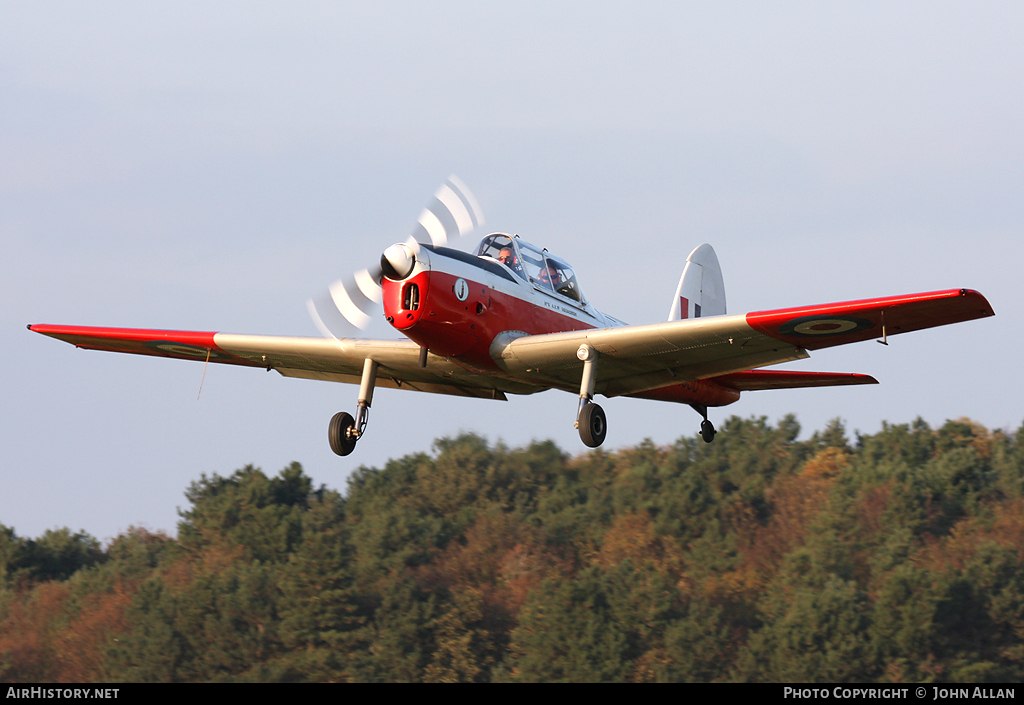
(894, 557)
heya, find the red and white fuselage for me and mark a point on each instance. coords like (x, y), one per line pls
(468, 307)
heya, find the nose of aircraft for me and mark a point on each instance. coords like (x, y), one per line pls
(398, 261)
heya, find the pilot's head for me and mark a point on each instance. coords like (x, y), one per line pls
(549, 275)
(506, 256)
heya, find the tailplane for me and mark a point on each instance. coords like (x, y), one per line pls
(701, 289)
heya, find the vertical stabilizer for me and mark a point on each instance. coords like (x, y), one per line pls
(701, 289)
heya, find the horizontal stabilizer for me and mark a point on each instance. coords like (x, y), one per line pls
(754, 380)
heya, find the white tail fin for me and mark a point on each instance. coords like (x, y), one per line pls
(701, 289)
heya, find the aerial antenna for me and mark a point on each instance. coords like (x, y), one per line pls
(208, 351)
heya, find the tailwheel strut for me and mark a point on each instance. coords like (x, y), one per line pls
(344, 431)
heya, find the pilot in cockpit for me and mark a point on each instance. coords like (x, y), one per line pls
(508, 258)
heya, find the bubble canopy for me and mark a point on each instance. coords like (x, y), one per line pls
(532, 264)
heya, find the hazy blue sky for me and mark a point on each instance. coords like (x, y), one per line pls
(210, 166)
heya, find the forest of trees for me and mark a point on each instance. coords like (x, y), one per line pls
(891, 557)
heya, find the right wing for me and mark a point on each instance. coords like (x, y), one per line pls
(339, 360)
(637, 359)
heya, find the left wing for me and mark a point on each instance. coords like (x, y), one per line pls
(339, 360)
(637, 359)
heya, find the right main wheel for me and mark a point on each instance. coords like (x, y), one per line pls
(593, 425)
(339, 433)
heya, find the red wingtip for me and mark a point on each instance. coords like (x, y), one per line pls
(825, 325)
(184, 345)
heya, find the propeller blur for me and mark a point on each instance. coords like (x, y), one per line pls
(352, 302)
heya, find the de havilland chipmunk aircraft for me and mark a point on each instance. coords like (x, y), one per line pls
(512, 318)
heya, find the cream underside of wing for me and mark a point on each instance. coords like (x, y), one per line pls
(632, 358)
(640, 358)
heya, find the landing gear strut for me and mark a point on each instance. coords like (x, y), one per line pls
(590, 418)
(707, 429)
(344, 431)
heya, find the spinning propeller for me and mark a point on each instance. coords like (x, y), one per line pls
(351, 302)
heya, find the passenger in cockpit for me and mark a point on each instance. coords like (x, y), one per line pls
(550, 277)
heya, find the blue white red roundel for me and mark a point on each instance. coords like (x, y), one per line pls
(824, 325)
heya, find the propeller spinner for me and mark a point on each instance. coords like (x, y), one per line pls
(351, 302)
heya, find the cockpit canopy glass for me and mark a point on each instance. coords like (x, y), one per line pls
(539, 267)
(503, 249)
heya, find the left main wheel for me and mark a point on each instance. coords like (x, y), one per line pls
(593, 425)
(339, 433)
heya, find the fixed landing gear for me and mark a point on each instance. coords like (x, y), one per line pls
(341, 433)
(707, 429)
(590, 418)
(592, 425)
(344, 431)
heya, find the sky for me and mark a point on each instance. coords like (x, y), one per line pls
(211, 166)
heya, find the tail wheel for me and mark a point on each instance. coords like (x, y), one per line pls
(707, 431)
(593, 425)
(339, 433)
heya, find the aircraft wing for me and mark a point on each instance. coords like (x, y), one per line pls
(637, 359)
(338, 360)
(633, 359)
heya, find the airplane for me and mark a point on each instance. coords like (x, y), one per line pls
(512, 318)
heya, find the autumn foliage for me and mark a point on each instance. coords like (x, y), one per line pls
(897, 556)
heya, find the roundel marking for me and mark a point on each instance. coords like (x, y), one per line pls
(824, 325)
(461, 289)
